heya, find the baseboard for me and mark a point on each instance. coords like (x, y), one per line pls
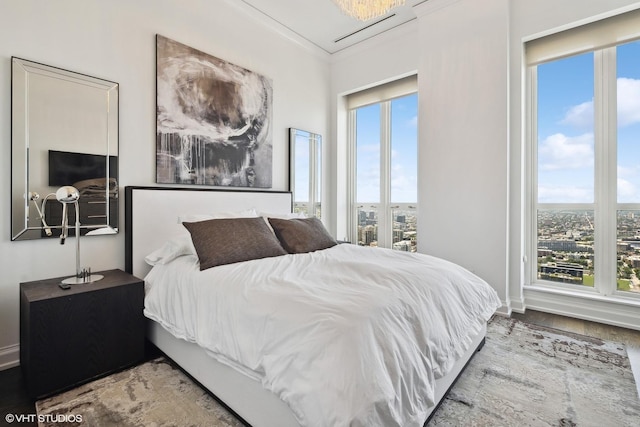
(634, 358)
(9, 357)
(504, 310)
(610, 312)
(518, 306)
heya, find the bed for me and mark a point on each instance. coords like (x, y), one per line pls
(278, 389)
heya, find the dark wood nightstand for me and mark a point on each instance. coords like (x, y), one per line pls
(68, 337)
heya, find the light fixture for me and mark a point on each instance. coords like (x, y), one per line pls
(34, 197)
(364, 10)
(67, 195)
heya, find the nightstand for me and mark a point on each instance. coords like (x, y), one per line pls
(68, 337)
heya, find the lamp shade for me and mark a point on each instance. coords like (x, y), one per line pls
(67, 194)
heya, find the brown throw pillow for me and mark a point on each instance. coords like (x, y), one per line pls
(302, 235)
(229, 240)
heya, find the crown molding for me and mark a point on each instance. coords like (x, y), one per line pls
(406, 29)
(272, 24)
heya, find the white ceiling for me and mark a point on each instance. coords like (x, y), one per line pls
(323, 24)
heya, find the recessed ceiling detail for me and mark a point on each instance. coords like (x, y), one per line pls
(363, 28)
(323, 24)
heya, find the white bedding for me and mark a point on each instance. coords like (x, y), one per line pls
(346, 336)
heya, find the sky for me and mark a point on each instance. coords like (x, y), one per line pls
(404, 158)
(566, 128)
(404, 155)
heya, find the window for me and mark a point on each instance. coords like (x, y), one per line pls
(384, 193)
(305, 177)
(584, 139)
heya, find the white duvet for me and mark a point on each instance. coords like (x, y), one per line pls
(346, 336)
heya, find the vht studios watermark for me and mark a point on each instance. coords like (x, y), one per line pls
(42, 418)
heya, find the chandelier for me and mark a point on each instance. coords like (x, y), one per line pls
(367, 9)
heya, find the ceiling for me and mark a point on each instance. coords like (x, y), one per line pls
(323, 24)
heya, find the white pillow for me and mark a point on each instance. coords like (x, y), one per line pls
(171, 250)
(183, 245)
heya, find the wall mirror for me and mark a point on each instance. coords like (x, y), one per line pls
(64, 132)
(305, 158)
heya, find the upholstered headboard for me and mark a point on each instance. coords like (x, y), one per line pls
(151, 214)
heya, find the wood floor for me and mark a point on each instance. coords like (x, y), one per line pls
(628, 337)
(13, 397)
(14, 400)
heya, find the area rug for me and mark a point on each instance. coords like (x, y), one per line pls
(525, 375)
(156, 393)
(528, 375)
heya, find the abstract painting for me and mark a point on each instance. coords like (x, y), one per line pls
(213, 120)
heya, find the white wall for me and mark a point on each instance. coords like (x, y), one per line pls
(115, 40)
(463, 125)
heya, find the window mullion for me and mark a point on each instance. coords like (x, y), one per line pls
(611, 142)
(384, 212)
(352, 221)
(605, 171)
(531, 220)
(311, 211)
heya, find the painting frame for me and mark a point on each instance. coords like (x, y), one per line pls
(213, 120)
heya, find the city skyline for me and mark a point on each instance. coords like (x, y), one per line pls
(566, 248)
(404, 230)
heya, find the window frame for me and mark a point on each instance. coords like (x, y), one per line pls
(384, 207)
(605, 205)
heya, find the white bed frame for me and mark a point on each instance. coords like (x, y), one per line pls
(151, 217)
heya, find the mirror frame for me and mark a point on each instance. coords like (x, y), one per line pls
(25, 218)
(313, 145)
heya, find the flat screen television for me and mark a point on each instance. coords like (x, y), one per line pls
(67, 168)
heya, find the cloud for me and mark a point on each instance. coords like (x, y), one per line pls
(580, 116)
(565, 194)
(559, 151)
(628, 101)
(625, 171)
(404, 184)
(627, 191)
(628, 179)
(368, 173)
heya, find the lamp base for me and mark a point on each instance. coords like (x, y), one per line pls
(82, 279)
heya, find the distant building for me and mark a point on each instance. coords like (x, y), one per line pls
(411, 235)
(542, 252)
(362, 217)
(562, 272)
(403, 245)
(368, 235)
(561, 245)
(623, 246)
